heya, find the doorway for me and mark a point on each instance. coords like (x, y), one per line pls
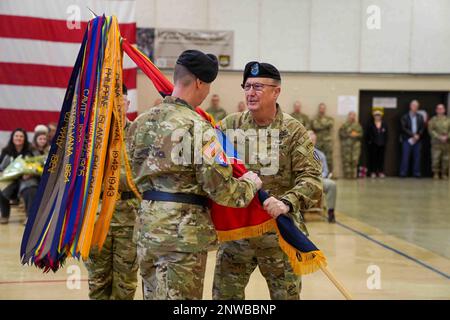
(428, 101)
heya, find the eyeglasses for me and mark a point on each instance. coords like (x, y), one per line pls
(256, 86)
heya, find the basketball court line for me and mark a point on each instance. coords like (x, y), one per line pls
(387, 247)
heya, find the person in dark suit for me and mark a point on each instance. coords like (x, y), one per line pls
(376, 137)
(412, 127)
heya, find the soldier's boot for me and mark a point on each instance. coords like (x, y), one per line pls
(436, 175)
(4, 220)
(331, 216)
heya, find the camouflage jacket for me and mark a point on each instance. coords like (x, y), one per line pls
(323, 126)
(346, 130)
(439, 126)
(303, 118)
(163, 158)
(296, 175)
(218, 114)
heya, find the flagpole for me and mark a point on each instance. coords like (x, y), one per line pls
(336, 283)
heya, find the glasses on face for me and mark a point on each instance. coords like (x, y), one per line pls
(256, 86)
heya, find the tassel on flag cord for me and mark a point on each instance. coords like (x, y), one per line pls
(253, 221)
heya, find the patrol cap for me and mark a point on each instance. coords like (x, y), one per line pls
(203, 66)
(255, 69)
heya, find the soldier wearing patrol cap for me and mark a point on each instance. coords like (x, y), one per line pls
(174, 229)
(295, 185)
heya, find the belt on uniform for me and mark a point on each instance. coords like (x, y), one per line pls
(175, 197)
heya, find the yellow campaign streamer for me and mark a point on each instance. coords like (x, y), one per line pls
(112, 174)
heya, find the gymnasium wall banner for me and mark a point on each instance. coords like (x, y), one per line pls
(384, 102)
(169, 43)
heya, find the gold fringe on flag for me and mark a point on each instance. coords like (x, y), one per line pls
(247, 232)
(302, 263)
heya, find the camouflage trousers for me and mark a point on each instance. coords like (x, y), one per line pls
(440, 158)
(236, 261)
(172, 275)
(327, 148)
(113, 270)
(350, 153)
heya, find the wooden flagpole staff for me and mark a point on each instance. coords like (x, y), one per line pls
(336, 283)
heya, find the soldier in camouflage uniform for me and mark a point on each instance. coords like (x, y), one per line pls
(113, 270)
(174, 228)
(215, 109)
(303, 118)
(294, 185)
(439, 129)
(322, 125)
(350, 134)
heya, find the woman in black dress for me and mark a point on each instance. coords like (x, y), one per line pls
(376, 134)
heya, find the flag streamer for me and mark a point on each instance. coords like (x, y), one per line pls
(85, 156)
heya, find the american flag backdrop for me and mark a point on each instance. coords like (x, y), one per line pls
(39, 42)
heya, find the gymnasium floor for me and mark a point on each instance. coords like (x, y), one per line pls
(399, 227)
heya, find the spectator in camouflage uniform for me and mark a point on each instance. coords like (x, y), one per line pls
(113, 270)
(439, 129)
(174, 228)
(322, 125)
(303, 118)
(350, 134)
(295, 185)
(215, 109)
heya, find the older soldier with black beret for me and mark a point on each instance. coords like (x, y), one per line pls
(290, 174)
(174, 229)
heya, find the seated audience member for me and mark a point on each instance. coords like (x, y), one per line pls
(24, 186)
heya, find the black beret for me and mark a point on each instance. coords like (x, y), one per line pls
(203, 66)
(124, 89)
(255, 69)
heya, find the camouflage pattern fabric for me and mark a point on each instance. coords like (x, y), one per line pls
(350, 147)
(303, 118)
(439, 126)
(113, 271)
(323, 127)
(217, 113)
(172, 275)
